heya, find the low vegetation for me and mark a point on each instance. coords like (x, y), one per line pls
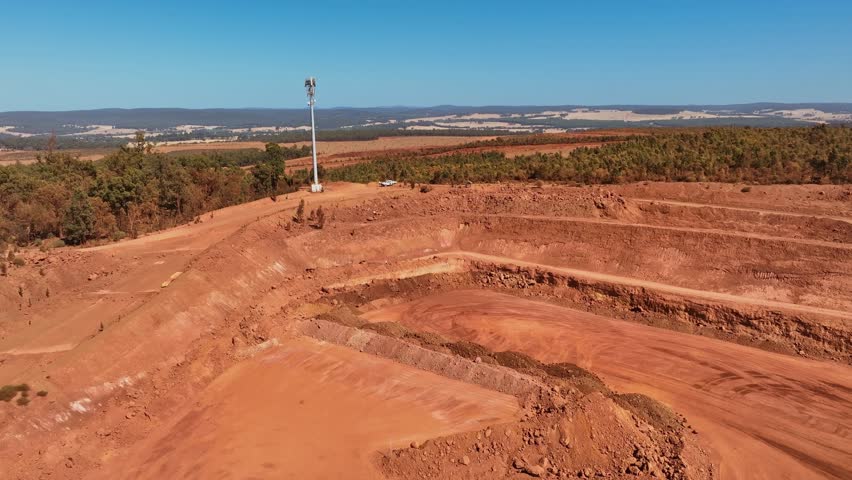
(319, 218)
(539, 139)
(299, 216)
(818, 154)
(242, 157)
(359, 134)
(64, 200)
(9, 392)
(131, 192)
(47, 141)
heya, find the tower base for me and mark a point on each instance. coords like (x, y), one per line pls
(316, 187)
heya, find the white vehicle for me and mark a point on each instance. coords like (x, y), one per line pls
(388, 183)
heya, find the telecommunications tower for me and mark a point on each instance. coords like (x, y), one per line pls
(310, 88)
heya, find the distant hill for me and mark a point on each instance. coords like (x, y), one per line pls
(175, 124)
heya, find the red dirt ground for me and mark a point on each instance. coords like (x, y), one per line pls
(310, 410)
(751, 404)
(733, 308)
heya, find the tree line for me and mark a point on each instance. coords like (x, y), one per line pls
(135, 191)
(63, 142)
(541, 139)
(819, 154)
(132, 191)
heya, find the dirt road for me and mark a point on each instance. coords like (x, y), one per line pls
(221, 223)
(744, 209)
(712, 231)
(768, 416)
(661, 287)
(75, 317)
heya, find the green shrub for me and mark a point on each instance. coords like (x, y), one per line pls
(299, 217)
(54, 243)
(320, 217)
(136, 191)
(132, 190)
(732, 154)
(8, 392)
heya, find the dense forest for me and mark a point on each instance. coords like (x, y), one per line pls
(242, 157)
(131, 192)
(818, 154)
(134, 191)
(43, 142)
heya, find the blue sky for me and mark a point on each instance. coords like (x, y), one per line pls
(89, 54)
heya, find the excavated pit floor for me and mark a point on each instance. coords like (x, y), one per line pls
(793, 414)
(767, 415)
(310, 409)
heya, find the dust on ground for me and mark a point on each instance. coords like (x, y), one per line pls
(737, 320)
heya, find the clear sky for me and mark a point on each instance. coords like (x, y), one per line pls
(89, 54)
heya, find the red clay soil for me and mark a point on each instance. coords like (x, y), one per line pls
(839, 315)
(572, 425)
(131, 339)
(81, 288)
(766, 415)
(310, 410)
(818, 201)
(594, 438)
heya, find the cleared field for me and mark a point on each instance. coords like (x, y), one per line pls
(324, 148)
(334, 148)
(28, 156)
(345, 152)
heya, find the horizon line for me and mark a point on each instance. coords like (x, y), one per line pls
(345, 107)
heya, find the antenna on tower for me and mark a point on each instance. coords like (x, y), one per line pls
(311, 88)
